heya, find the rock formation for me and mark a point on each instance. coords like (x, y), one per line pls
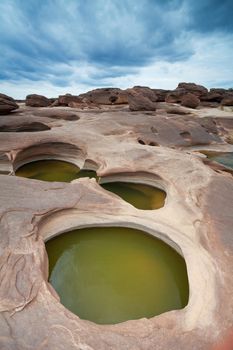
(7, 104)
(140, 100)
(156, 147)
(190, 100)
(35, 100)
(105, 96)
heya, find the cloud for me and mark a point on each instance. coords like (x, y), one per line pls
(72, 45)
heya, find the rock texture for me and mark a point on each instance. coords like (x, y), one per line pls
(197, 90)
(35, 100)
(140, 100)
(105, 96)
(7, 104)
(196, 220)
(190, 100)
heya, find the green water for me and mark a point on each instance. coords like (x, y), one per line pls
(109, 275)
(223, 158)
(53, 170)
(139, 195)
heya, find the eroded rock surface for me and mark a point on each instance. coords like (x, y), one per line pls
(197, 220)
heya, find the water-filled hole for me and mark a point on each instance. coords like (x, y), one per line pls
(53, 170)
(225, 158)
(141, 196)
(112, 274)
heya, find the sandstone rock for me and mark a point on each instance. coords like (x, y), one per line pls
(190, 100)
(228, 99)
(138, 102)
(106, 96)
(214, 95)
(65, 100)
(7, 104)
(175, 96)
(146, 92)
(161, 94)
(35, 100)
(193, 88)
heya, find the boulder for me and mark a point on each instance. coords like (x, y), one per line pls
(146, 92)
(193, 88)
(35, 100)
(190, 100)
(7, 104)
(138, 102)
(105, 96)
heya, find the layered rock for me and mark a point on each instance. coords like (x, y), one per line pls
(35, 100)
(7, 104)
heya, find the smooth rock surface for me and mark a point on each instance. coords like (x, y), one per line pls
(196, 220)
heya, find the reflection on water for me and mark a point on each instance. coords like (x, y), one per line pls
(110, 275)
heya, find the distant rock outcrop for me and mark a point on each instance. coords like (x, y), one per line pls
(66, 100)
(195, 89)
(175, 96)
(161, 94)
(7, 104)
(146, 92)
(35, 100)
(105, 96)
(139, 102)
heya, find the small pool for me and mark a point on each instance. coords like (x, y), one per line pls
(112, 274)
(53, 170)
(139, 195)
(225, 158)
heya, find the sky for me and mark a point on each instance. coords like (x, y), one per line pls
(52, 47)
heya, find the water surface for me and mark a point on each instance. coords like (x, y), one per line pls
(109, 275)
(139, 195)
(225, 158)
(53, 170)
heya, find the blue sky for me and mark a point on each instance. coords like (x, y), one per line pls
(52, 47)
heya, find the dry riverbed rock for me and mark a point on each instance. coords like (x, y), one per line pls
(196, 220)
